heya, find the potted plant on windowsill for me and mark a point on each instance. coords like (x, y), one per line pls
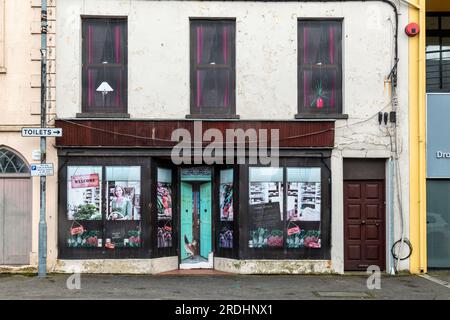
(319, 100)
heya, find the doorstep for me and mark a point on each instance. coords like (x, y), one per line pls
(18, 269)
(195, 272)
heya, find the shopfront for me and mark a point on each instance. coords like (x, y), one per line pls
(438, 180)
(135, 203)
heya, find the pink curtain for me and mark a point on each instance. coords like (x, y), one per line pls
(117, 49)
(225, 44)
(332, 31)
(226, 98)
(305, 61)
(90, 80)
(199, 61)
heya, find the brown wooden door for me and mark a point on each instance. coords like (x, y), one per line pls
(364, 224)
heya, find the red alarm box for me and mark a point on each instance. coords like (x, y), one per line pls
(412, 29)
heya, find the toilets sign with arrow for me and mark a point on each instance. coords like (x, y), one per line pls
(42, 132)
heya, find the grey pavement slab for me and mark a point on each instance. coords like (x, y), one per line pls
(228, 287)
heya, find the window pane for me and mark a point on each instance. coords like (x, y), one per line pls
(438, 223)
(105, 88)
(320, 58)
(226, 195)
(320, 90)
(226, 209)
(213, 43)
(84, 193)
(164, 207)
(84, 203)
(212, 59)
(266, 221)
(213, 89)
(445, 23)
(124, 193)
(104, 65)
(123, 226)
(432, 23)
(433, 48)
(105, 41)
(11, 162)
(303, 207)
(321, 42)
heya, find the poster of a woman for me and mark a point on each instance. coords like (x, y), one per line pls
(121, 206)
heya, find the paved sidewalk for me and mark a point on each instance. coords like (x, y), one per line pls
(227, 287)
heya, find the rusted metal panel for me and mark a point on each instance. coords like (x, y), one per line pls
(152, 133)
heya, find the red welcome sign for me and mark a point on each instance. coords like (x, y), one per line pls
(85, 181)
(293, 230)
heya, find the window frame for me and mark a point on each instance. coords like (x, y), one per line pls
(438, 33)
(302, 113)
(324, 253)
(218, 113)
(145, 249)
(121, 112)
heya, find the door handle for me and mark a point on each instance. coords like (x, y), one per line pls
(363, 221)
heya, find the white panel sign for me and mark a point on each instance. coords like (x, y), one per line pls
(36, 155)
(42, 170)
(42, 132)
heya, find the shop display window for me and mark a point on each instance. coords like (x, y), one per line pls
(285, 218)
(116, 224)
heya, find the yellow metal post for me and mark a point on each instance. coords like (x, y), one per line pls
(417, 116)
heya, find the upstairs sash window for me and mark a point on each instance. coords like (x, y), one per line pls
(104, 66)
(319, 67)
(212, 67)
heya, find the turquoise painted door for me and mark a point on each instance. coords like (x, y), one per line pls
(205, 219)
(186, 216)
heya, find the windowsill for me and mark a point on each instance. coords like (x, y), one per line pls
(212, 116)
(102, 115)
(325, 116)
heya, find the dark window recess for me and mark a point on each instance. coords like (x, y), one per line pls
(104, 66)
(438, 53)
(319, 67)
(212, 67)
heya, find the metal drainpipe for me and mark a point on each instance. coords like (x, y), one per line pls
(42, 262)
(391, 212)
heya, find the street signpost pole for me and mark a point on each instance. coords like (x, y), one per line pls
(42, 260)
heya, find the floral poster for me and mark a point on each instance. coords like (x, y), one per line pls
(226, 237)
(226, 202)
(164, 236)
(80, 237)
(164, 201)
